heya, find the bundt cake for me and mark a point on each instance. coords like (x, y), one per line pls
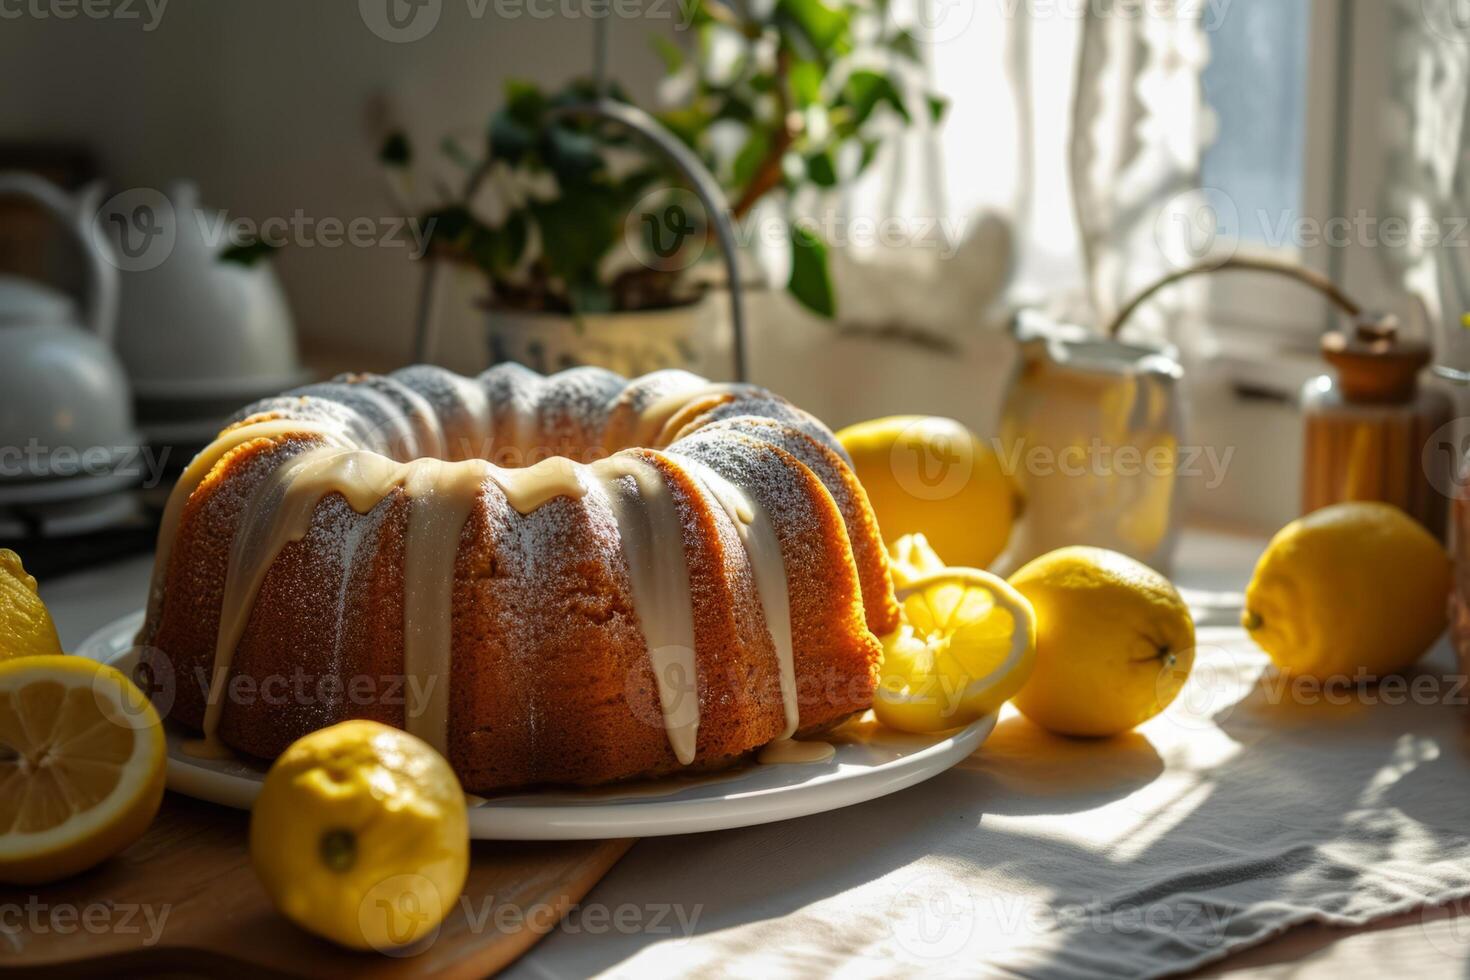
(569, 579)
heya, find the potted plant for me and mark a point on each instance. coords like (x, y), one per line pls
(564, 216)
(546, 214)
(794, 98)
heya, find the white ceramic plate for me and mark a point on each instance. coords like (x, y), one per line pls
(871, 761)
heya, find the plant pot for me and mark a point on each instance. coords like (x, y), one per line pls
(691, 337)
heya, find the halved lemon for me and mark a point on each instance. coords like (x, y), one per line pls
(967, 644)
(81, 766)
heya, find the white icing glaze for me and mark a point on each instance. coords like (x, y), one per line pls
(441, 495)
(653, 541)
(763, 548)
(194, 475)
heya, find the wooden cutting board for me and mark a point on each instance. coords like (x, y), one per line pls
(191, 873)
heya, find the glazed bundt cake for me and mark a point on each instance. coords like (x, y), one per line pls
(567, 579)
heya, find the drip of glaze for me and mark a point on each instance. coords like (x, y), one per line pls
(194, 475)
(440, 494)
(653, 542)
(763, 549)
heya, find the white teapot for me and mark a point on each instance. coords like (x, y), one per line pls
(65, 407)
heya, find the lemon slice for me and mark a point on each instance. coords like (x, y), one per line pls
(81, 766)
(911, 558)
(966, 645)
(26, 628)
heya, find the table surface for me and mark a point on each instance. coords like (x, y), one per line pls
(1433, 943)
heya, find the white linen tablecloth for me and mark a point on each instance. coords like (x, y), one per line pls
(1250, 806)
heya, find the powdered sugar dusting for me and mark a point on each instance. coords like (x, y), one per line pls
(561, 569)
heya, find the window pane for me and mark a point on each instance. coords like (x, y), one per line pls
(1256, 83)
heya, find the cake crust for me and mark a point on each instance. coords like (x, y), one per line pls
(548, 675)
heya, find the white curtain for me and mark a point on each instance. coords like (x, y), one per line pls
(1073, 126)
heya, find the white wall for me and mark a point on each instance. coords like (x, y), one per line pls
(267, 104)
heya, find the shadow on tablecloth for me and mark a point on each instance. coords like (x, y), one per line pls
(1252, 805)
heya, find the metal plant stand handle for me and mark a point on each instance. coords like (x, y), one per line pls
(705, 187)
(703, 183)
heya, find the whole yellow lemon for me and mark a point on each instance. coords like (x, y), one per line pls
(1354, 590)
(932, 476)
(360, 835)
(26, 629)
(1114, 642)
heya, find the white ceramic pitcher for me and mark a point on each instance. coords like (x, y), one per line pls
(1090, 432)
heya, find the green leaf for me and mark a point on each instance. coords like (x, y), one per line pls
(750, 157)
(806, 82)
(573, 156)
(938, 106)
(696, 13)
(865, 90)
(671, 54)
(811, 280)
(525, 102)
(510, 139)
(249, 253)
(577, 230)
(905, 45)
(825, 29)
(687, 123)
(497, 250)
(395, 151)
(822, 169)
(735, 107)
